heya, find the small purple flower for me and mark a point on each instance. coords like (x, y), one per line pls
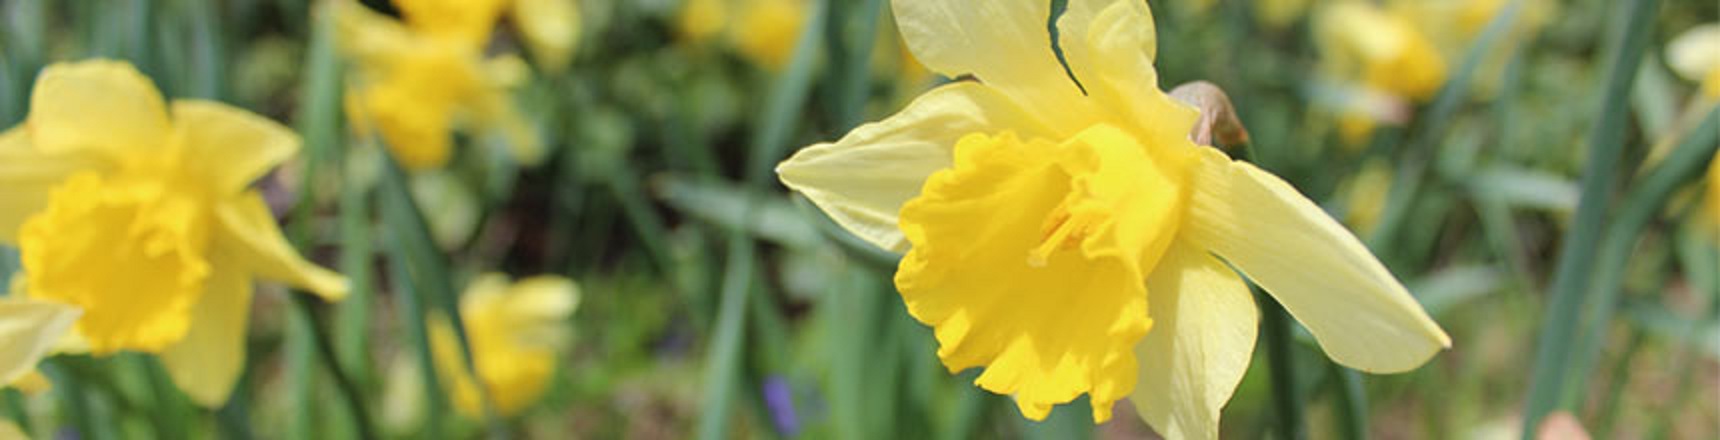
(780, 399)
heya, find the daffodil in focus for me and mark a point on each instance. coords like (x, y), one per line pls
(1073, 240)
(514, 330)
(1695, 55)
(140, 213)
(763, 31)
(418, 81)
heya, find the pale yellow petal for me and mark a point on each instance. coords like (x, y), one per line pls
(1322, 274)
(551, 30)
(1110, 45)
(10, 431)
(1006, 44)
(862, 180)
(28, 328)
(1695, 53)
(27, 175)
(234, 147)
(33, 383)
(249, 235)
(1203, 336)
(208, 361)
(102, 106)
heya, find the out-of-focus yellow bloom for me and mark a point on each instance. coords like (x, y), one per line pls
(28, 329)
(416, 82)
(1279, 13)
(550, 28)
(701, 21)
(768, 30)
(1365, 195)
(514, 331)
(1714, 194)
(1695, 55)
(1031, 212)
(1380, 49)
(764, 31)
(141, 215)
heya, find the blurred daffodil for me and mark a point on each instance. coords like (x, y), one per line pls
(140, 213)
(1380, 49)
(28, 330)
(1695, 55)
(418, 81)
(1040, 219)
(764, 31)
(514, 331)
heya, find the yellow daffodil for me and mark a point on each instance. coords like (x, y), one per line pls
(28, 329)
(416, 82)
(1279, 14)
(514, 331)
(1379, 48)
(1041, 219)
(1695, 55)
(764, 31)
(140, 214)
(1714, 194)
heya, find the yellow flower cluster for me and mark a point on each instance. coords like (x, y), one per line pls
(138, 217)
(420, 79)
(764, 31)
(514, 331)
(1040, 220)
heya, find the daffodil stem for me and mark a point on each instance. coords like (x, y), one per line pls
(1549, 377)
(1352, 401)
(1275, 330)
(770, 138)
(1641, 205)
(430, 268)
(343, 382)
(15, 409)
(418, 335)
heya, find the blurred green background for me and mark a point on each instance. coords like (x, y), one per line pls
(717, 305)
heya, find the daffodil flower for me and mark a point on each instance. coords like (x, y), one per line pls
(140, 214)
(416, 81)
(514, 331)
(1382, 49)
(1042, 214)
(763, 31)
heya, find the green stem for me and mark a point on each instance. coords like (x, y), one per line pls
(1275, 331)
(1548, 377)
(1352, 401)
(770, 138)
(1640, 207)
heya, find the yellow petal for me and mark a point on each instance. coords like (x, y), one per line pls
(1027, 260)
(10, 431)
(769, 29)
(249, 235)
(467, 22)
(862, 180)
(370, 38)
(1203, 336)
(27, 175)
(208, 361)
(33, 383)
(1322, 274)
(1110, 45)
(28, 328)
(551, 30)
(102, 106)
(1006, 44)
(233, 146)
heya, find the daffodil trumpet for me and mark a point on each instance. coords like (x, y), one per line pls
(140, 214)
(1040, 219)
